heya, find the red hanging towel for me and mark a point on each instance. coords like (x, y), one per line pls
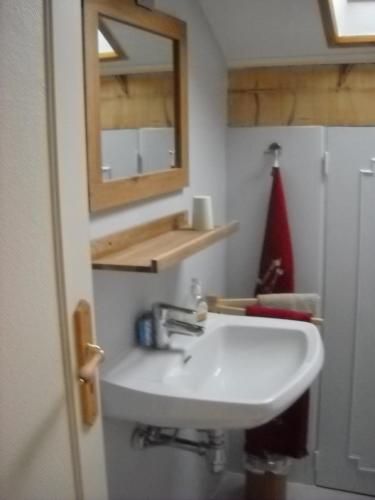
(276, 273)
(285, 435)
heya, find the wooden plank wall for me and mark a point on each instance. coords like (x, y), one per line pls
(139, 100)
(302, 95)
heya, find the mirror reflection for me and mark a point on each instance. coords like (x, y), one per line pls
(137, 102)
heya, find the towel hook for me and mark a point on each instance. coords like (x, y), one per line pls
(369, 171)
(275, 149)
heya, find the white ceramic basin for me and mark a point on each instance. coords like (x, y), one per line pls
(241, 373)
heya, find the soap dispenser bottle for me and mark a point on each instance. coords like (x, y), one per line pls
(197, 300)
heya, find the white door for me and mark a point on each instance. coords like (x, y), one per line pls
(346, 457)
(63, 24)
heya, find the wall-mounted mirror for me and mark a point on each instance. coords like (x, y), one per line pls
(136, 103)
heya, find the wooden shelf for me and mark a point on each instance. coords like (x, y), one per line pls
(154, 246)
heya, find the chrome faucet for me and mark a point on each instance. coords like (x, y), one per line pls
(167, 322)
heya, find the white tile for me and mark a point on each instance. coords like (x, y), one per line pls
(307, 492)
(232, 486)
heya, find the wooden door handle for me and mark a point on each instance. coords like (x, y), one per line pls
(95, 355)
(89, 355)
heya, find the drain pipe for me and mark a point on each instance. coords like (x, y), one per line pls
(213, 447)
(216, 456)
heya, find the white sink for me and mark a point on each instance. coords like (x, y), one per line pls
(241, 373)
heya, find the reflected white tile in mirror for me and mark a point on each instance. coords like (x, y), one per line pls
(129, 152)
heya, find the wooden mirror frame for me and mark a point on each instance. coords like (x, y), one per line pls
(104, 195)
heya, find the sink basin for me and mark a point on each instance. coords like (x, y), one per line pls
(241, 373)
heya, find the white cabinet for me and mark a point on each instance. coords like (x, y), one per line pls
(156, 148)
(346, 456)
(119, 153)
(129, 152)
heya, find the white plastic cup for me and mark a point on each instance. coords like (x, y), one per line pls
(203, 219)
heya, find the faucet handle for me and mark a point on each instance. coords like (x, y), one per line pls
(184, 327)
(162, 313)
(168, 312)
(171, 307)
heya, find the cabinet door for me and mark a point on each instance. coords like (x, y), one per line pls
(156, 148)
(346, 457)
(120, 153)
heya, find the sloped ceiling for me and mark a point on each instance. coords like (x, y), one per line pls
(265, 32)
(145, 51)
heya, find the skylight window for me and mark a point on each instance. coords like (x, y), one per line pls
(349, 21)
(108, 48)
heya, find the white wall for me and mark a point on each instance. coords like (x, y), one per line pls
(249, 183)
(35, 452)
(166, 474)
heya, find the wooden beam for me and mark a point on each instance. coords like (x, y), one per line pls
(331, 95)
(138, 100)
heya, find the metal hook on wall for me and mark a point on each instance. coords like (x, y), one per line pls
(369, 171)
(275, 149)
